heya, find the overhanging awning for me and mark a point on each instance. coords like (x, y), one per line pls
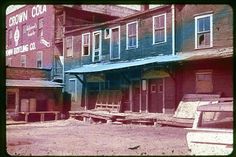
(99, 67)
(32, 83)
(181, 56)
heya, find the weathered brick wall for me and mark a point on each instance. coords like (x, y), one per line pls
(221, 74)
(25, 74)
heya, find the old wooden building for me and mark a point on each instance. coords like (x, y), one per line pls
(146, 62)
(34, 32)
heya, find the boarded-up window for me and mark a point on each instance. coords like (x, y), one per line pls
(85, 44)
(132, 35)
(204, 82)
(69, 46)
(203, 26)
(159, 28)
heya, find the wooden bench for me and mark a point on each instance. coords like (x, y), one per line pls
(109, 100)
(42, 114)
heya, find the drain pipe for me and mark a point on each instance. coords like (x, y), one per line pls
(173, 28)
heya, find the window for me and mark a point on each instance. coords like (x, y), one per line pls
(115, 43)
(160, 88)
(10, 36)
(97, 46)
(69, 46)
(86, 44)
(219, 120)
(107, 33)
(132, 35)
(9, 61)
(73, 89)
(203, 31)
(39, 59)
(159, 28)
(204, 82)
(23, 61)
(23, 32)
(153, 88)
(40, 27)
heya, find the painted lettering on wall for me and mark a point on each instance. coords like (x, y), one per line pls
(21, 49)
(23, 16)
(18, 18)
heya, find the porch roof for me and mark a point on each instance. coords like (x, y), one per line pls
(32, 83)
(99, 67)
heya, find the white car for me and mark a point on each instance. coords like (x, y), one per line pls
(212, 131)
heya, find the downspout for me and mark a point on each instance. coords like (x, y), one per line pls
(63, 47)
(173, 28)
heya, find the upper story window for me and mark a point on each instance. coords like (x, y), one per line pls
(40, 27)
(39, 59)
(23, 32)
(132, 35)
(203, 31)
(23, 60)
(10, 36)
(69, 46)
(115, 43)
(159, 29)
(97, 46)
(107, 33)
(86, 44)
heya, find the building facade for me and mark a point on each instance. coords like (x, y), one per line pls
(34, 32)
(153, 58)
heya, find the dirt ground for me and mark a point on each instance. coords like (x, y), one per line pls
(73, 137)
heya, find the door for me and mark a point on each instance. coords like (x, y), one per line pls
(97, 46)
(11, 101)
(136, 96)
(115, 43)
(155, 96)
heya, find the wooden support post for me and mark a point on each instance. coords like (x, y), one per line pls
(26, 117)
(163, 84)
(56, 116)
(41, 117)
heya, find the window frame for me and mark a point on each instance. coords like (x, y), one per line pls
(10, 37)
(111, 41)
(127, 35)
(100, 45)
(73, 79)
(21, 57)
(82, 47)
(153, 29)
(41, 58)
(72, 46)
(107, 36)
(40, 28)
(196, 30)
(9, 61)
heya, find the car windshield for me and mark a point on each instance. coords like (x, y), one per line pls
(220, 120)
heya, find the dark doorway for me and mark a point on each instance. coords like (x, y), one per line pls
(11, 101)
(136, 96)
(41, 105)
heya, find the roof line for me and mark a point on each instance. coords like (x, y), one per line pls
(119, 19)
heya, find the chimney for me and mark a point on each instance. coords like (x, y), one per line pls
(144, 7)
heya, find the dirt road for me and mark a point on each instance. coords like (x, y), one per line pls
(73, 137)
